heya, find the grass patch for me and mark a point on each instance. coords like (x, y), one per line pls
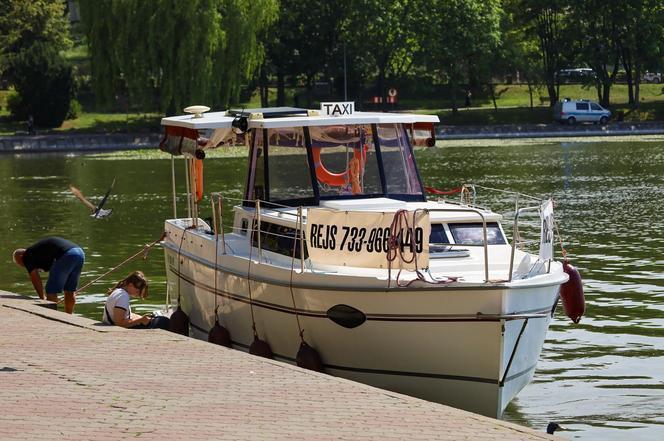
(77, 54)
(93, 123)
(113, 122)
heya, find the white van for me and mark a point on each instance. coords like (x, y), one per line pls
(571, 111)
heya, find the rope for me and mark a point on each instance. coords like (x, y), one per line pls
(560, 240)
(298, 227)
(184, 231)
(143, 251)
(216, 256)
(433, 190)
(394, 251)
(251, 248)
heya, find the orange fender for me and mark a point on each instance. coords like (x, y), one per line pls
(198, 168)
(571, 292)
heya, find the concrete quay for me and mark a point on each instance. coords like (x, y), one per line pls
(69, 377)
(78, 142)
(553, 130)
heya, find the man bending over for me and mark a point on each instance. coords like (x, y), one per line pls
(62, 260)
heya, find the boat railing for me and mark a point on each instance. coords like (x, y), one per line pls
(257, 227)
(485, 242)
(516, 234)
(468, 199)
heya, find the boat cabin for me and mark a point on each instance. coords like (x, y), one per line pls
(299, 157)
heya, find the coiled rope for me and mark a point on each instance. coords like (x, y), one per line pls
(400, 223)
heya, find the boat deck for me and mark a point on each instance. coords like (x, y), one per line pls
(68, 377)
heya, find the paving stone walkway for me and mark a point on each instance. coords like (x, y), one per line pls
(68, 377)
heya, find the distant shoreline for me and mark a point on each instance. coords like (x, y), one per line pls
(512, 131)
(89, 142)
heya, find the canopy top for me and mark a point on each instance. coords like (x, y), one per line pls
(278, 117)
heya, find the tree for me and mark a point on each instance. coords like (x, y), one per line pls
(166, 54)
(640, 40)
(304, 42)
(596, 25)
(460, 34)
(520, 52)
(381, 38)
(33, 35)
(545, 20)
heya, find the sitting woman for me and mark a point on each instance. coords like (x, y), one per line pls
(117, 310)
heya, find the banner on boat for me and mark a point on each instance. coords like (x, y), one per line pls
(362, 239)
(546, 241)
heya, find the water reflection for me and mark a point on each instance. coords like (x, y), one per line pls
(601, 379)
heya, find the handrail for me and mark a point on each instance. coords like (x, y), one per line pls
(515, 232)
(485, 245)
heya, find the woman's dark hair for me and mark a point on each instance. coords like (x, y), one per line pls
(137, 278)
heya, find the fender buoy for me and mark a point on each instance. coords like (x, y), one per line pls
(571, 292)
(198, 167)
(179, 322)
(308, 358)
(260, 348)
(335, 179)
(219, 335)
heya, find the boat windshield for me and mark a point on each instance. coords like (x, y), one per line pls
(345, 160)
(398, 163)
(345, 163)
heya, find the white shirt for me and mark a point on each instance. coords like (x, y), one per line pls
(119, 298)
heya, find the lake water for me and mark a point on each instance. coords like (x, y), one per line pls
(602, 379)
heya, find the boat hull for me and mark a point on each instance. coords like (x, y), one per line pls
(428, 343)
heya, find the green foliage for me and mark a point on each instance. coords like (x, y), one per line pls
(24, 23)
(16, 107)
(34, 33)
(382, 37)
(44, 83)
(168, 54)
(74, 109)
(462, 35)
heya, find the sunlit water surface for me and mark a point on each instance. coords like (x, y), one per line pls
(602, 379)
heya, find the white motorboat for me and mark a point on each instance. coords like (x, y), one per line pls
(335, 243)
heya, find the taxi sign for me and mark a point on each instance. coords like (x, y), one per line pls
(342, 108)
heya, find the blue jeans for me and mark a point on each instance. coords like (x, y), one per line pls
(65, 271)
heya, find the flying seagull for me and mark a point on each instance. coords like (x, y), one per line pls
(97, 210)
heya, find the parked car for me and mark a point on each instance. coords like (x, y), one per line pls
(577, 75)
(652, 77)
(573, 111)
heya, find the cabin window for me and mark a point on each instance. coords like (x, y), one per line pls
(438, 234)
(438, 240)
(472, 233)
(288, 170)
(594, 106)
(345, 160)
(278, 239)
(400, 172)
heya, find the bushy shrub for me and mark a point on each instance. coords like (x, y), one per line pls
(16, 107)
(43, 80)
(74, 109)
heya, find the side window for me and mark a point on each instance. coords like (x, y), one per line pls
(594, 106)
(472, 233)
(581, 106)
(278, 239)
(438, 234)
